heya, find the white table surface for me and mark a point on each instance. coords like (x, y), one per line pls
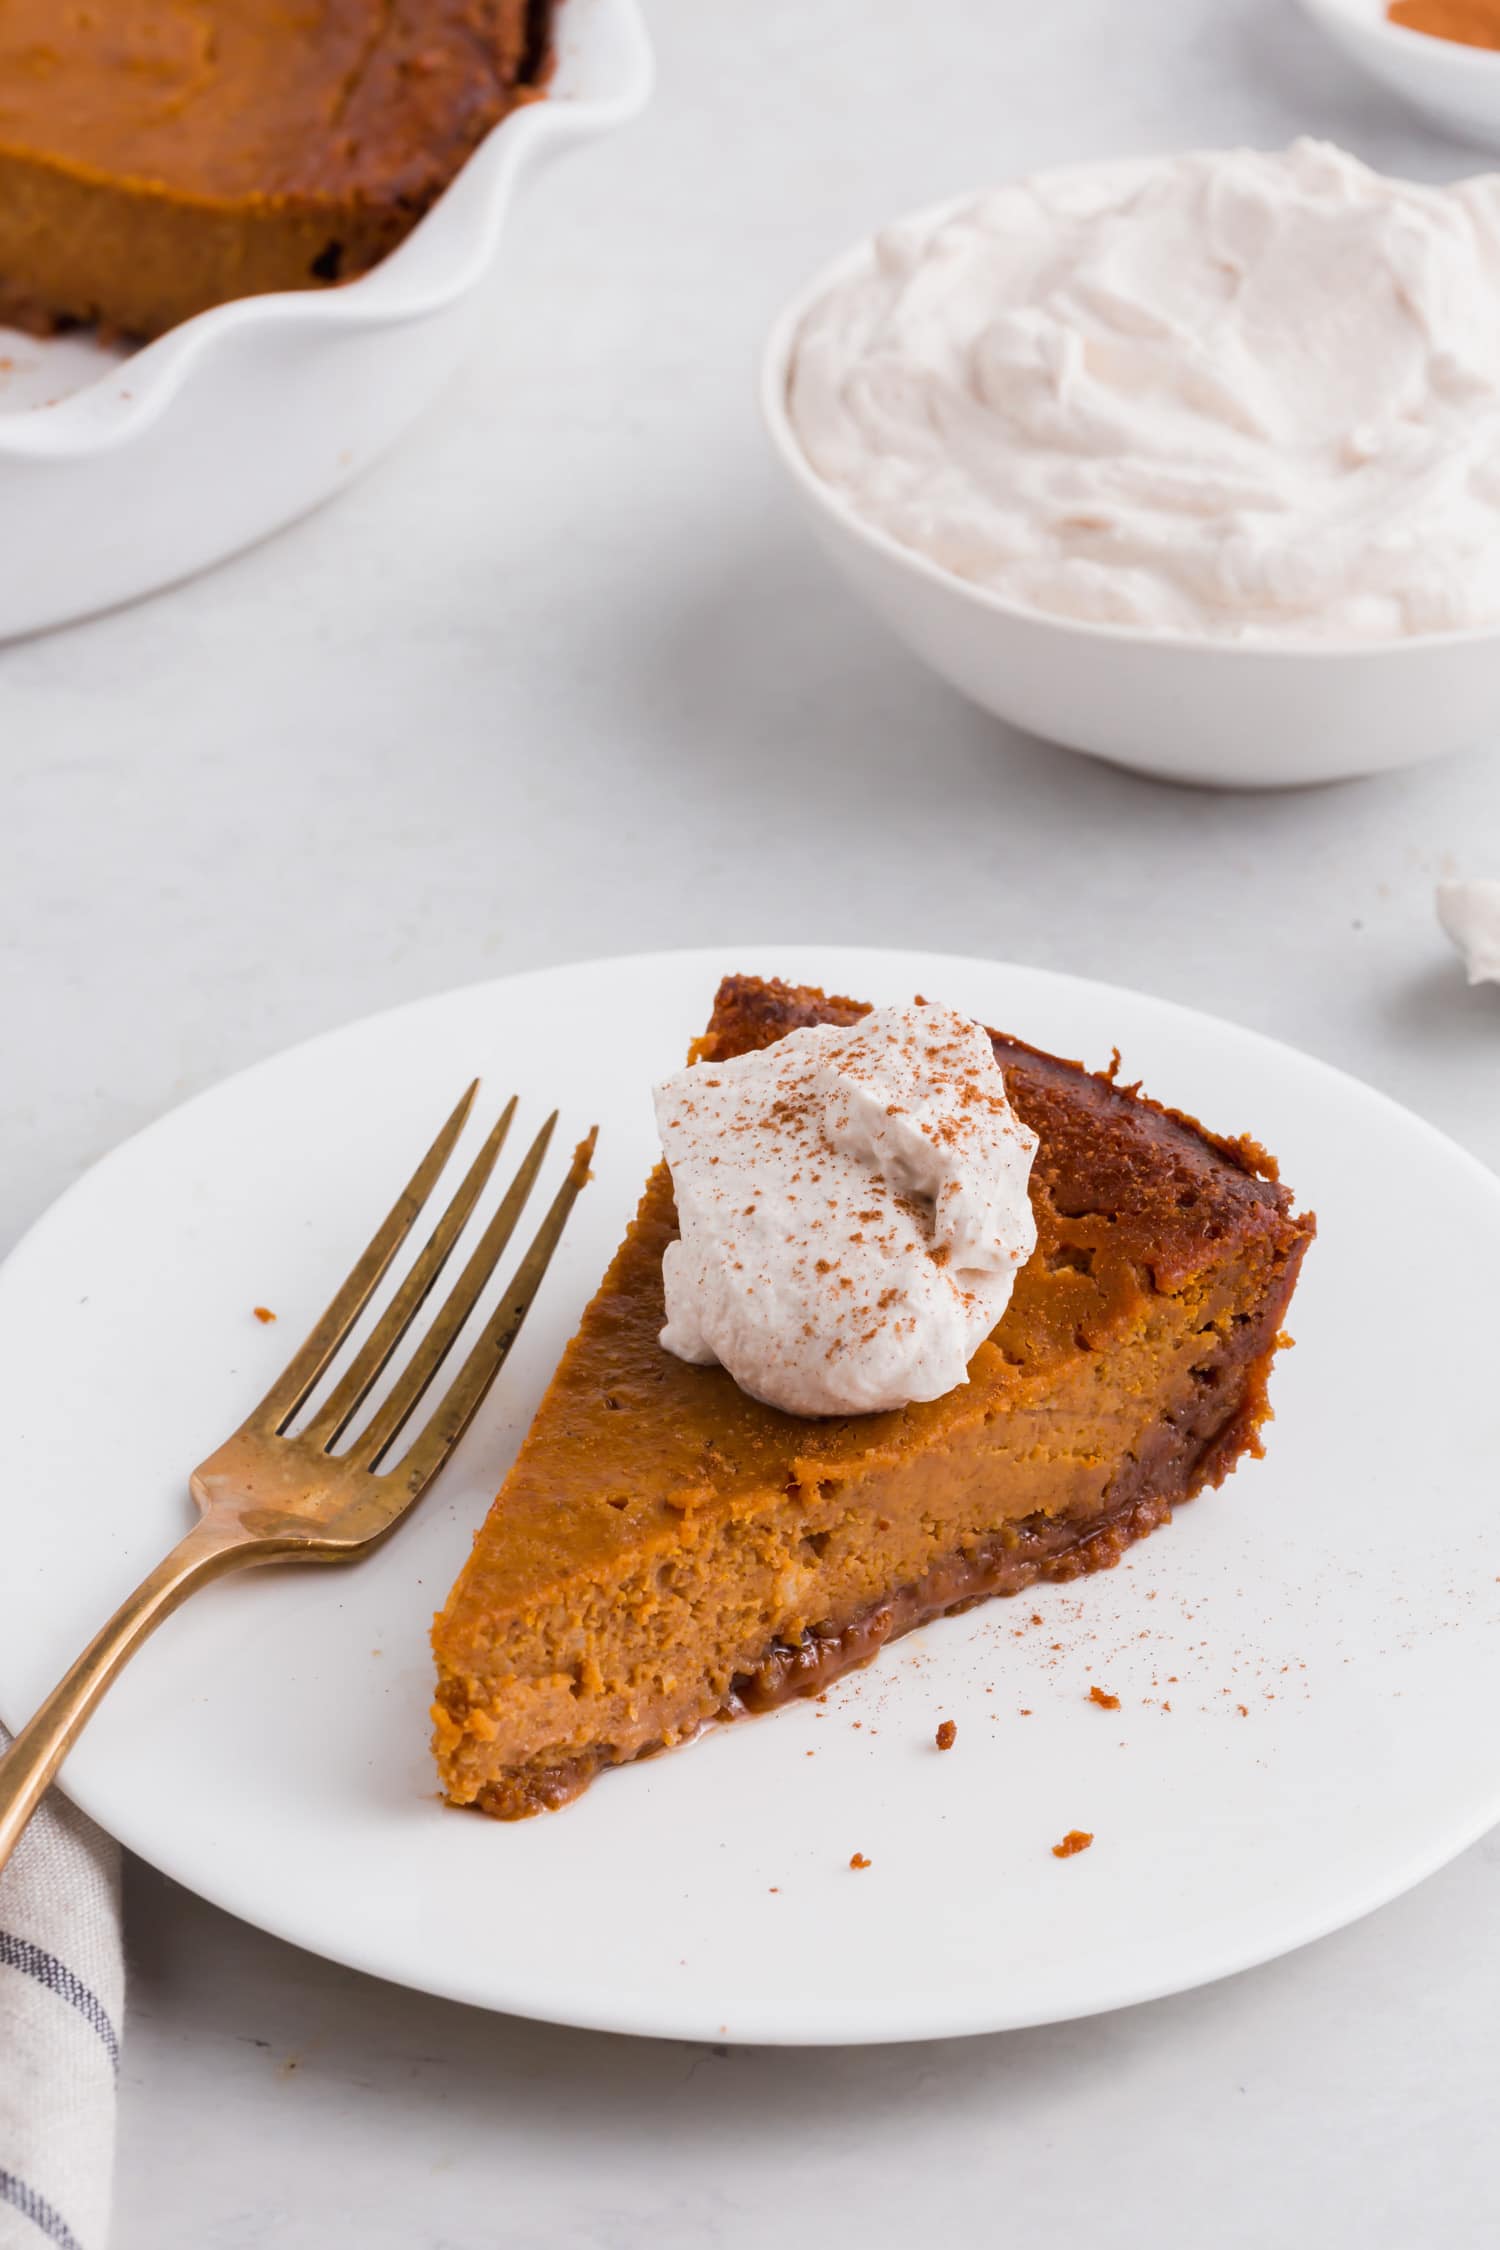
(563, 677)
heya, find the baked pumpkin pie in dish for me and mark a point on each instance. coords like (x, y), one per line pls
(161, 156)
(669, 1549)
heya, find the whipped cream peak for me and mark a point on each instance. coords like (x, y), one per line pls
(1227, 394)
(853, 1209)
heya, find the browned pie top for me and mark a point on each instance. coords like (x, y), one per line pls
(1130, 1200)
(220, 100)
(1175, 1194)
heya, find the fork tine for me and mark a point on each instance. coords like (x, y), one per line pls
(333, 1418)
(391, 1417)
(295, 1382)
(466, 1393)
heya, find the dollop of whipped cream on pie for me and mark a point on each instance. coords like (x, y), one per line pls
(1226, 394)
(853, 1209)
(1470, 913)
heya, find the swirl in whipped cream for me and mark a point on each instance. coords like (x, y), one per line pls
(853, 1209)
(1229, 394)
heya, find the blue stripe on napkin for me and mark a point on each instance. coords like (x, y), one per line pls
(56, 1976)
(35, 2207)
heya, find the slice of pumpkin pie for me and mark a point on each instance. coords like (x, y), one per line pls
(672, 1548)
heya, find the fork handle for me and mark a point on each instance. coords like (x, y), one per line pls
(210, 1549)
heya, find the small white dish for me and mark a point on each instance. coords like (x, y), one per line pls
(1453, 86)
(1208, 712)
(1325, 1629)
(123, 472)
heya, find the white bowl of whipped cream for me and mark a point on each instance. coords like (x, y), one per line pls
(1192, 463)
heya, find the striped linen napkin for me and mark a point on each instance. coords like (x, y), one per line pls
(62, 1984)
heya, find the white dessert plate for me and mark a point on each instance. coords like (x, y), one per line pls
(1304, 1661)
(121, 473)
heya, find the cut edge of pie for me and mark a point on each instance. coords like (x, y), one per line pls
(667, 1551)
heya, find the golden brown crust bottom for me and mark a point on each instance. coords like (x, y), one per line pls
(1029, 1553)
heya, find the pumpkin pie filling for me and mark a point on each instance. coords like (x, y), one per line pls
(668, 1551)
(161, 156)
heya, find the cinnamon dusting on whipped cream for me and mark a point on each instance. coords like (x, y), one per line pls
(853, 1209)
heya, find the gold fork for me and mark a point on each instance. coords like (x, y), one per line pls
(269, 1496)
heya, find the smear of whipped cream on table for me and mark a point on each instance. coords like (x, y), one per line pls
(1470, 913)
(853, 1209)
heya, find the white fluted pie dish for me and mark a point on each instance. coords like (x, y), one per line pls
(123, 472)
